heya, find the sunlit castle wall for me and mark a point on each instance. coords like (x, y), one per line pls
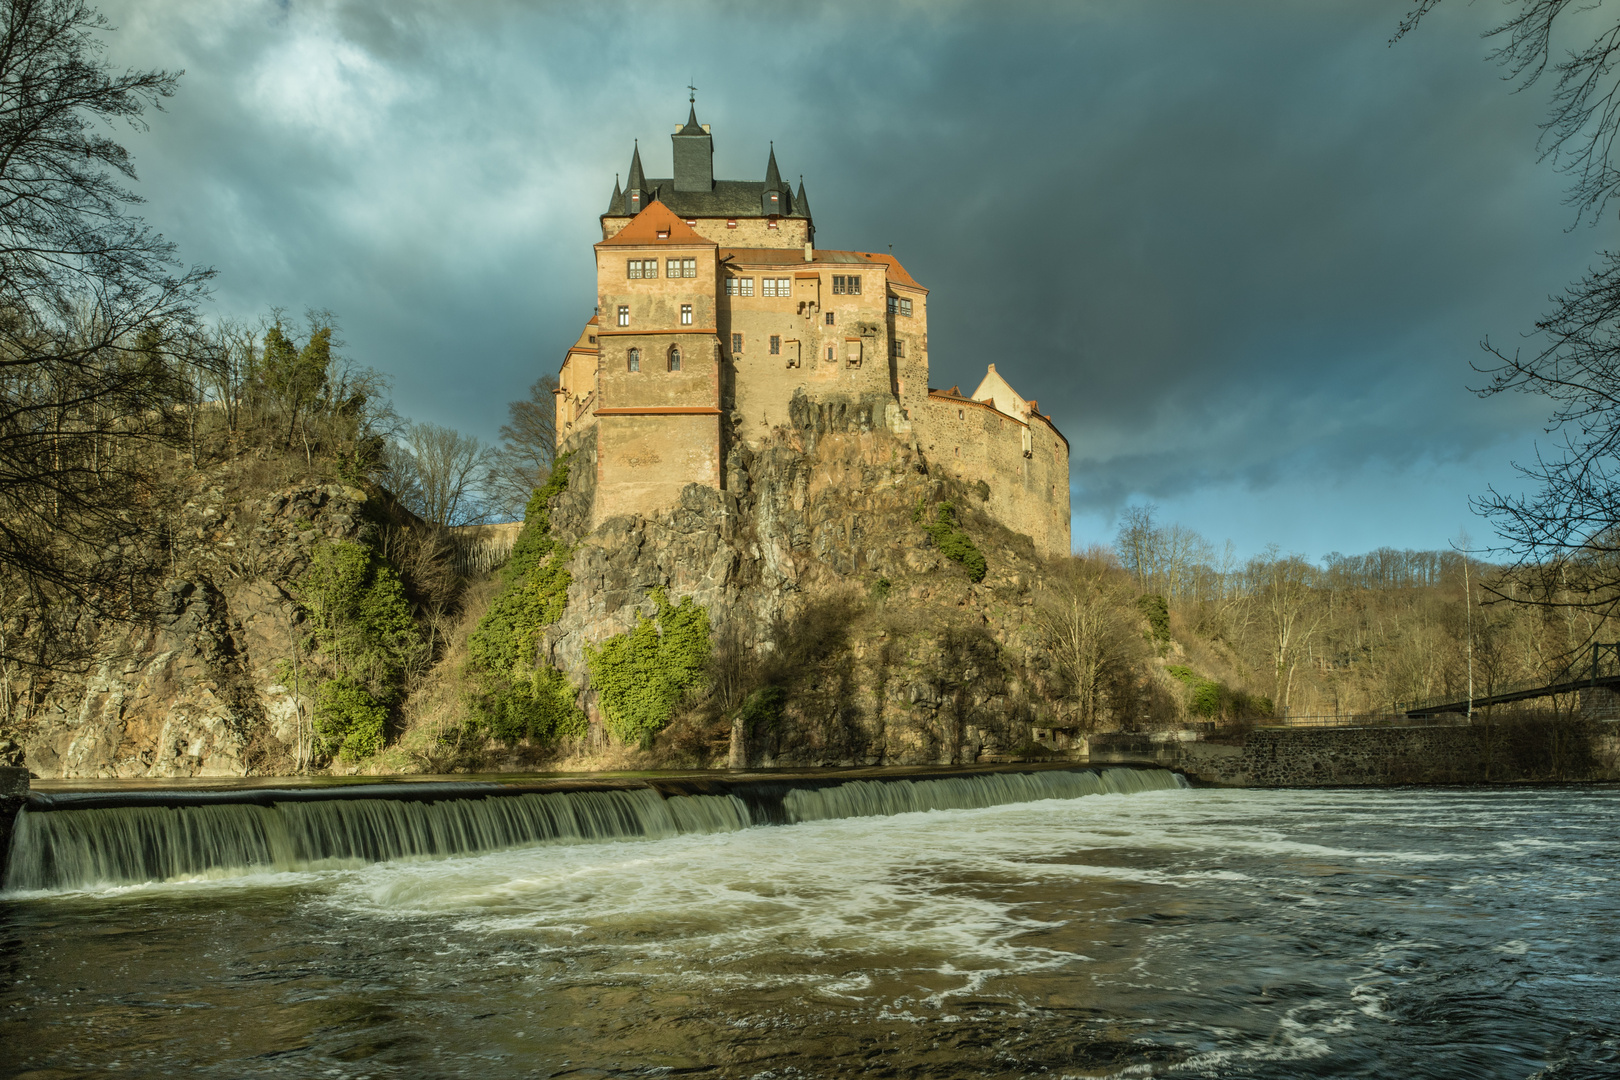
(1023, 462)
(773, 335)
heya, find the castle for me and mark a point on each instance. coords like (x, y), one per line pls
(718, 319)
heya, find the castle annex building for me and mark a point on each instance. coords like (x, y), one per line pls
(718, 319)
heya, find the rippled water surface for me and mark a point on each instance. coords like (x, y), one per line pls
(1403, 933)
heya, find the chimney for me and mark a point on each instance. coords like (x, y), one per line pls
(809, 251)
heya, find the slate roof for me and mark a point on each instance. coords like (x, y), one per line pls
(729, 199)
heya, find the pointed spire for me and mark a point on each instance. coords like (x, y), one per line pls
(801, 205)
(638, 179)
(618, 196)
(692, 126)
(773, 178)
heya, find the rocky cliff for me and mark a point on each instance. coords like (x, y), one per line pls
(197, 691)
(823, 588)
(842, 633)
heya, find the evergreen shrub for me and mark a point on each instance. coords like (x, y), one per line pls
(641, 675)
(950, 539)
(514, 697)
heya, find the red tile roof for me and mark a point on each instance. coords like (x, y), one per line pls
(646, 227)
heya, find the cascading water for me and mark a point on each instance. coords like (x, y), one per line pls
(881, 798)
(65, 847)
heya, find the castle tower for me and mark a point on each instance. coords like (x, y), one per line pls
(718, 319)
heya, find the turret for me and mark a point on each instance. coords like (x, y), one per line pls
(776, 197)
(694, 156)
(635, 192)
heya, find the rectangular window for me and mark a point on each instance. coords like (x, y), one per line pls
(633, 268)
(771, 224)
(688, 268)
(640, 268)
(736, 343)
(686, 314)
(829, 354)
(624, 315)
(731, 223)
(784, 286)
(672, 268)
(847, 284)
(905, 307)
(748, 286)
(767, 286)
(899, 347)
(731, 286)
(894, 305)
(776, 342)
(829, 318)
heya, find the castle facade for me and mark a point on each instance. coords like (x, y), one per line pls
(719, 320)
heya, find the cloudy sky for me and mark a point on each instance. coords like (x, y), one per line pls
(1243, 253)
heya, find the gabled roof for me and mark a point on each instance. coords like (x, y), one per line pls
(786, 256)
(645, 227)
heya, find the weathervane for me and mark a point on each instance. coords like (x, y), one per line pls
(692, 97)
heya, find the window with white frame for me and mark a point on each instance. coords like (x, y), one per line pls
(624, 314)
(680, 268)
(847, 284)
(905, 307)
(686, 314)
(736, 343)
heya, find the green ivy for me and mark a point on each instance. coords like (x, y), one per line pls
(348, 720)
(515, 698)
(356, 615)
(641, 676)
(1212, 699)
(949, 538)
(763, 709)
(1156, 611)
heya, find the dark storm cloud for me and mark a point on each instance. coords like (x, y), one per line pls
(1231, 248)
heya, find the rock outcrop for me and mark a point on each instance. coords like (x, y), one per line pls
(817, 579)
(198, 692)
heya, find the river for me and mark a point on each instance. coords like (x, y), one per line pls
(1185, 933)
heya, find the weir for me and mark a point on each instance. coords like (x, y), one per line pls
(88, 840)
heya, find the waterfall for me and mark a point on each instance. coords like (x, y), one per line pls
(97, 840)
(880, 798)
(80, 849)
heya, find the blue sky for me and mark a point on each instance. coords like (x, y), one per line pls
(1243, 253)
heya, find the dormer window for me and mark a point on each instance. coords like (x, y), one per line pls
(771, 224)
(731, 223)
(663, 234)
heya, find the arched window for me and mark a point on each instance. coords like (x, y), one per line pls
(674, 358)
(635, 359)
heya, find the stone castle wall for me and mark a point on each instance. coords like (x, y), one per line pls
(748, 232)
(1029, 493)
(1504, 752)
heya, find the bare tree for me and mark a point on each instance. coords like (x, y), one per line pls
(1571, 521)
(1083, 623)
(438, 473)
(528, 444)
(1135, 543)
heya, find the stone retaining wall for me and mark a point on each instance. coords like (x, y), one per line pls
(1516, 752)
